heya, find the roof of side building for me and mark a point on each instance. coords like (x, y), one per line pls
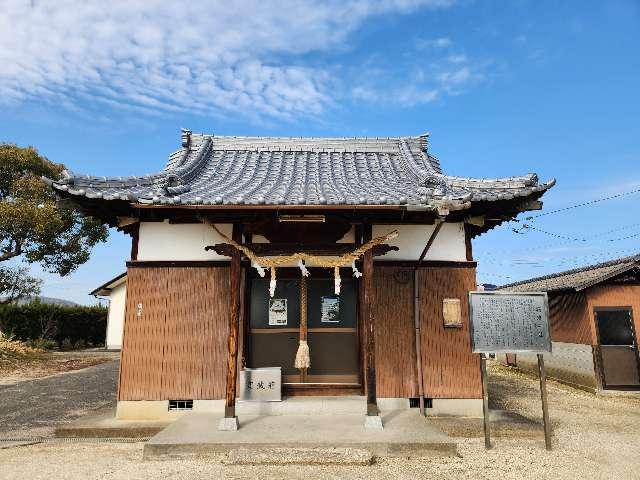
(576, 279)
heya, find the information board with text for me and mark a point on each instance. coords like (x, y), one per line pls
(509, 322)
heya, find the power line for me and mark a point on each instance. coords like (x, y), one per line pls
(584, 204)
(567, 239)
(526, 226)
(573, 260)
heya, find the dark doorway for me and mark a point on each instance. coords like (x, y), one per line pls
(332, 323)
(618, 348)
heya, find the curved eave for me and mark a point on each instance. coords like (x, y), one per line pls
(496, 208)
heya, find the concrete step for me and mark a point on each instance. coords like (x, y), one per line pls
(299, 456)
(329, 405)
(405, 433)
(103, 424)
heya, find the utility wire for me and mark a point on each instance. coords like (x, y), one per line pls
(566, 240)
(584, 204)
(574, 260)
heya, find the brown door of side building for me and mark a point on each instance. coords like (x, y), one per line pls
(274, 333)
(618, 348)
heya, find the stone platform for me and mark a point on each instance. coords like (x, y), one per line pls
(405, 433)
(104, 424)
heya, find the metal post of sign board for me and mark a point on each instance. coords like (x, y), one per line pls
(485, 401)
(545, 408)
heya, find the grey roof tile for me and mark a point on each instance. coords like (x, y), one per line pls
(303, 171)
(576, 279)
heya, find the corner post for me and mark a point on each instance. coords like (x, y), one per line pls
(372, 419)
(230, 420)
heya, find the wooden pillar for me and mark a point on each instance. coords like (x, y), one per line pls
(135, 237)
(367, 305)
(234, 317)
(245, 288)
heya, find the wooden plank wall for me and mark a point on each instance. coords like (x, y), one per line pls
(449, 369)
(570, 321)
(177, 347)
(394, 330)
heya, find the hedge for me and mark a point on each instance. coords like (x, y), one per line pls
(70, 325)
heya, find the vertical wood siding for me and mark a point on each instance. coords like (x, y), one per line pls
(570, 321)
(450, 370)
(394, 330)
(177, 348)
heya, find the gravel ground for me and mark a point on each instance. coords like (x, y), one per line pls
(35, 407)
(594, 437)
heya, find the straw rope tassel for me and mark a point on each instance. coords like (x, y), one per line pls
(272, 282)
(303, 360)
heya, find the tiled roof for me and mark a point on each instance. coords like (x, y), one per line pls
(213, 170)
(577, 279)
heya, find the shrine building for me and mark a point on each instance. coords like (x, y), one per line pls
(345, 262)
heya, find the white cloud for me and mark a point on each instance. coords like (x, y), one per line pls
(457, 58)
(440, 42)
(156, 56)
(437, 75)
(406, 96)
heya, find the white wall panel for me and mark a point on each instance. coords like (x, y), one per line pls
(115, 320)
(449, 243)
(181, 241)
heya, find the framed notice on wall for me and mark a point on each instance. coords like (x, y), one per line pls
(330, 312)
(509, 322)
(452, 313)
(277, 311)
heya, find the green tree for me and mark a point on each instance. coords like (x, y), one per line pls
(33, 227)
(15, 283)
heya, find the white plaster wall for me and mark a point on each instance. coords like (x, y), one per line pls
(569, 362)
(449, 243)
(183, 241)
(167, 241)
(115, 318)
(349, 237)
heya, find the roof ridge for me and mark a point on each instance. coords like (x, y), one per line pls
(608, 263)
(271, 137)
(410, 161)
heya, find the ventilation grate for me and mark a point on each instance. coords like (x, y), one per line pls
(180, 405)
(414, 402)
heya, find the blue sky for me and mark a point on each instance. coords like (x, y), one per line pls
(504, 87)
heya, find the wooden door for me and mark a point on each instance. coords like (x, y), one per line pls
(618, 348)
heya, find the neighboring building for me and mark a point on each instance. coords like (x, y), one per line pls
(116, 290)
(595, 319)
(188, 307)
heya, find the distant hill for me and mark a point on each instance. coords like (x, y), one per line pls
(49, 300)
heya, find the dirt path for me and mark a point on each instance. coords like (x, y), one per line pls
(18, 368)
(34, 407)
